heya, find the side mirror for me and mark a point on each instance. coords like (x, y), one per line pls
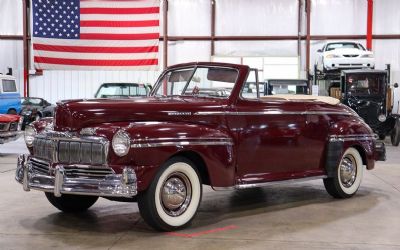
(319, 51)
(396, 85)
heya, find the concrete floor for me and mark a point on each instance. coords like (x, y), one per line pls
(295, 216)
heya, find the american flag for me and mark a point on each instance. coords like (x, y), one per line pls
(96, 34)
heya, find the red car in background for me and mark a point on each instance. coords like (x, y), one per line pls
(10, 128)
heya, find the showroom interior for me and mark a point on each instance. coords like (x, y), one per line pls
(284, 135)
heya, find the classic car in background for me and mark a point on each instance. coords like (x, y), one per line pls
(159, 150)
(34, 108)
(122, 90)
(9, 95)
(286, 86)
(10, 128)
(368, 92)
(343, 55)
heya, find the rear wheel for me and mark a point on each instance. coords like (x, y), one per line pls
(173, 197)
(395, 135)
(72, 203)
(347, 177)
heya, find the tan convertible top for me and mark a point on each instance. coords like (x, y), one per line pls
(325, 99)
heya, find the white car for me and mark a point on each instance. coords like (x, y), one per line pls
(344, 55)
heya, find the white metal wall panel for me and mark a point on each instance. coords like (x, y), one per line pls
(386, 17)
(60, 85)
(188, 51)
(339, 17)
(256, 17)
(11, 17)
(256, 48)
(189, 18)
(11, 56)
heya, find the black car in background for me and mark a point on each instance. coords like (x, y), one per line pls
(35, 108)
(368, 92)
(122, 90)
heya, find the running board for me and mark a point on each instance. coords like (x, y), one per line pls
(270, 183)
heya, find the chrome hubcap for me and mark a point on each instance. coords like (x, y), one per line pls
(176, 193)
(348, 170)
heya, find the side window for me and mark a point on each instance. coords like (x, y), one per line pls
(250, 89)
(173, 83)
(9, 86)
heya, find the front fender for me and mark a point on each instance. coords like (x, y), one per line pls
(153, 143)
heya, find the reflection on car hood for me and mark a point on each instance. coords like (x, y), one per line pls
(75, 114)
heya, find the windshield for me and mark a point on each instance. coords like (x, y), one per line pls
(121, 90)
(363, 85)
(197, 81)
(31, 101)
(333, 46)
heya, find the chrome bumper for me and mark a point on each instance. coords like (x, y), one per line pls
(113, 185)
(9, 136)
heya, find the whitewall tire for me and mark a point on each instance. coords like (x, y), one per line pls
(348, 175)
(173, 197)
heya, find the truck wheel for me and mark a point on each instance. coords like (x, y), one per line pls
(173, 197)
(71, 203)
(395, 135)
(348, 175)
(12, 112)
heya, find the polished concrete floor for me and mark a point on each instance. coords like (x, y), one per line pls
(294, 216)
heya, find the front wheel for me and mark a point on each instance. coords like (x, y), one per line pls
(72, 203)
(395, 135)
(173, 197)
(347, 177)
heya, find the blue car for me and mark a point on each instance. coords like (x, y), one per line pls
(10, 101)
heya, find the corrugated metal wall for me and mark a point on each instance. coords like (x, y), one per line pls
(241, 17)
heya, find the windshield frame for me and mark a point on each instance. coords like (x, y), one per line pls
(382, 89)
(159, 83)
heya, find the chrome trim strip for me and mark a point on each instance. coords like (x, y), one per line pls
(270, 183)
(182, 143)
(253, 185)
(273, 112)
(352, 137)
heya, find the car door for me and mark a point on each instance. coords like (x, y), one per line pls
(270, 142)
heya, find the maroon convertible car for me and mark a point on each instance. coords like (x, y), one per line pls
(203, 123)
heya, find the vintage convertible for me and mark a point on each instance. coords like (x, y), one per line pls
(200, 125)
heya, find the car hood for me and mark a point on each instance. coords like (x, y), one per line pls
(76, 114)
(9, 118)
(347, 51)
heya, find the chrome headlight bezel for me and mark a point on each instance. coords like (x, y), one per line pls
(121, 143)
(29, 135)
(382, 118)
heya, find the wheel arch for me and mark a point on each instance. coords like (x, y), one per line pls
(198, 162)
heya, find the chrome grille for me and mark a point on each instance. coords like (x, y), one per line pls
(40, 167)
(70, 151)
(90, 172)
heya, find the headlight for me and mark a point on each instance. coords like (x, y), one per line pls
(367, 56)
(29, 135)
(121, 143)
(332, 56)
(382, 118)
(26, 112)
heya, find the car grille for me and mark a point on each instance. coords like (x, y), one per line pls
(13, 126)
(350, 55)
(3, 126)
(41, 167)
(70, 152)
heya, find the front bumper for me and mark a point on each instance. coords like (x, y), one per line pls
(348, 63)
(113, 185)
(9, 136)
(380, 151)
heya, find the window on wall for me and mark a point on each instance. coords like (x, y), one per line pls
(268, 67)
